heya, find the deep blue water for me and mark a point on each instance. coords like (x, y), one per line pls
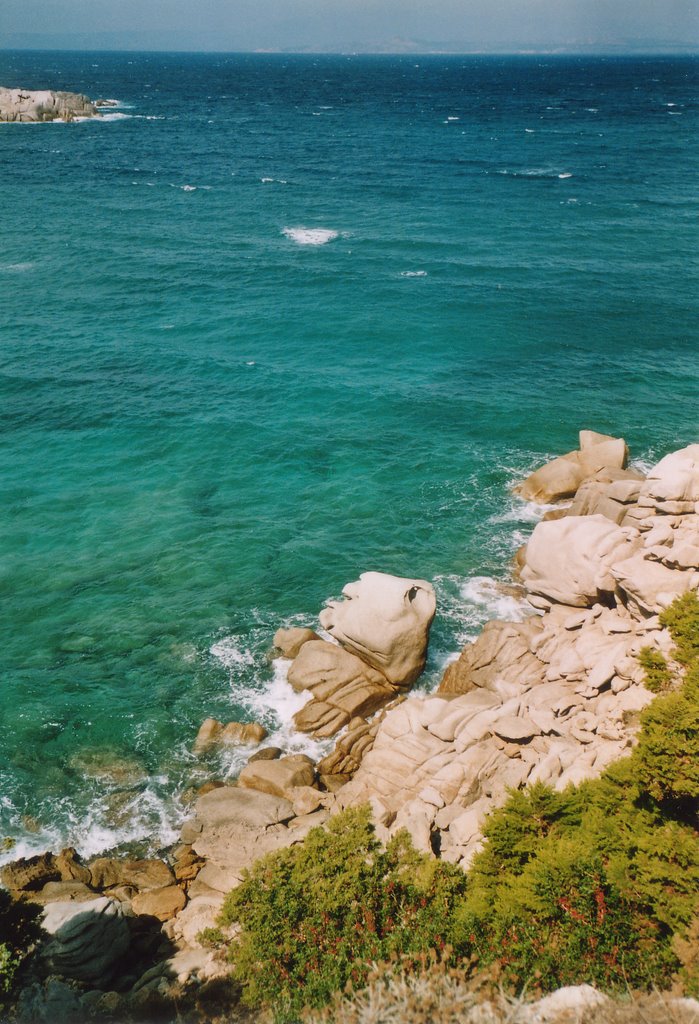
(209, 425)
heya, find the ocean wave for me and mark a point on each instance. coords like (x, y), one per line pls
(16, 268)
(117, 115)
(146, 814)
(272, 702)
(534, 172)
(310, 236)
(465, 604)
(413, 273)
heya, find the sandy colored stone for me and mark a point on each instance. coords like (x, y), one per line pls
(208, 735)
(502, 650)
(569, 561)
(143, 874)
(160, 903)
(266, 754)
(290, 641)
(243, 733)
(31, 873)
(343, 687)
(674, 478)
(44, 105)
(385, 620)
(279, 778)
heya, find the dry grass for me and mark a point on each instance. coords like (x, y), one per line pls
(438, 995)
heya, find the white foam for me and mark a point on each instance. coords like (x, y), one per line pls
(117, 115)
(413, 273)
(273, 704)
(566, 174)
(310, 236)
(529, 131)
(466, 604)
(16, 268)
(186, 188)
(453, 119)
(491, 596)
(143, 815)
(231, 654)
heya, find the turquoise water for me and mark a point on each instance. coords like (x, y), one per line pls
(211, 422)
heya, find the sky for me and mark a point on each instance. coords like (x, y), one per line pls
(347, 25)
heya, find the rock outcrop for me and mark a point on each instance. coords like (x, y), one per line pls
(555, 698)
(561, 478)
(384, 620)
(44, 105)
(382, 630)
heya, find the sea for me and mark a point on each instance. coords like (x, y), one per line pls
(276, 320)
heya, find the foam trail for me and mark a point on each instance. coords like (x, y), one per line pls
(310, 236)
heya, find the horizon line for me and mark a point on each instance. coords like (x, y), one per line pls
(596, 50)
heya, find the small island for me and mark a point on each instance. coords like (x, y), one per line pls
(45, 105)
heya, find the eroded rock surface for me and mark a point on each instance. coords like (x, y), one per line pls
(44, 105)
(385, 620)
(555, 698)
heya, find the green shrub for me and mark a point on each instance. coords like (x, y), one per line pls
(595, 884)
(599, 883)
(314, 917)
(19, 931)
(658, 675)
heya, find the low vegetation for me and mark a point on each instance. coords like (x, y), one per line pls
(597, 884)
(19, 931)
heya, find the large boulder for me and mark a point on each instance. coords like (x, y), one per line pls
(500, 659)
(231, 829)
(674, 479)
(280, 778)
(384, 620)
(343, 687)
(290, 641)
(569, 561)
(44, 105)
(144, 875)
(87, 939)
(561, 478)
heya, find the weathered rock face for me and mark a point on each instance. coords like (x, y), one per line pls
(44, 105)
(555, 698)
(279, 778)
(569, 561)
(384, 620)
(213, 733)
(290, 641)
(562, 477)
(342, 685)
(87, 939)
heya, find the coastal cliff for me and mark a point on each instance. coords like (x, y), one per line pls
(22, 105)
(554, 698)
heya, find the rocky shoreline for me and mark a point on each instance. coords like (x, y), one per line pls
(25, 106)
(554, 698)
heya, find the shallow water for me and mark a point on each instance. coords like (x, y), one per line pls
(277, 320)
